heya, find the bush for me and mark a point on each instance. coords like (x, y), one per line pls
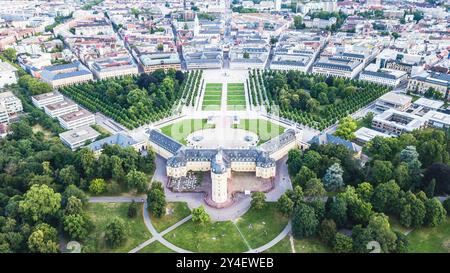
(132, 209)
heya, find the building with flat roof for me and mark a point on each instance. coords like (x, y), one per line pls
(57, 109)
(65, 74)
(393, 100)
(42, 100)
(437, 119)
(166, 61)
(113, 67)
(4, 117)
(8, 74)
(428, 104)
(395, 122)
(120, 139)
(388, 77)
(76, 119)
(11, 103)
(78, 137)
(364, 135)
(337, 66)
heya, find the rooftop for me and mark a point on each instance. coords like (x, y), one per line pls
(82, 113)
(118, 139)
(80, 134)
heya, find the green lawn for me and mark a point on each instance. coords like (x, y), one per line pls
(101, 214)
(180, 130)
(156, 247)
(283, 246)
(213, 237)
(213, 97)
(261, 226)
(311, 245)
(266, 130)
(235, 96)
(431, 240)
(179, 210)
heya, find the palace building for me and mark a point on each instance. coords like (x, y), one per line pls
(221, 162)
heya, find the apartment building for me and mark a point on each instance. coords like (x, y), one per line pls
(76, 119)
(11, 103)
(437, 81)
(8, 74)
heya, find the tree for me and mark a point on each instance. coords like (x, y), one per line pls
(342, 243)
(361, 237)
(338, 211)
(72, 190)
(326, 231)
(68, 175)
(258, 200)
(440, 172)
(115, 232)
(136, 180)
(298, 22)
(346, 129)
(132, 209)
(435, 213)
(10, 54)
(365, 191)
(200, 216)
(304, 222)
(73, 206)
(381, 231)
(97, 186)
(446, 205)
(304, 175)
(76, 226)
(43, 239)
(385, 197)
(294, 161)
(156, 199)
(285, 205)
(333, 180)
(381, 171)
(39, 202)
(314, 188)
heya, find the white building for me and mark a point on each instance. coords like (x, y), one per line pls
(4, 117)
(7, 74)
(395, 122)
(438, 119)
(77, 138)
(393, 101)
(338, 67)
(42, 100)
(77, 119)
(55, 110)
(364, 135)
(388, 77)
(11, 103)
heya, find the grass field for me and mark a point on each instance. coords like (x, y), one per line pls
(179, 210)
(180, 130)
(266, 130)
(283, 246)
(235, 96)
(431, 240)
(213, 97)
(212, 237)
(261, 226)
(101, 214)
(311, 245)
(156, 247)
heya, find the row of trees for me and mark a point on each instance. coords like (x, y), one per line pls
(318, 101)
(131, 101)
